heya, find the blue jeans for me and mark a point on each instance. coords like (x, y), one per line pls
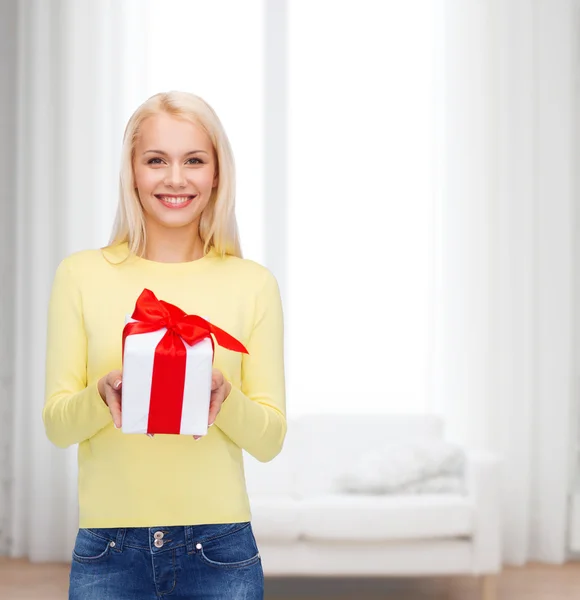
(192, 562)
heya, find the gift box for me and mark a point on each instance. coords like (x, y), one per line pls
(167, 368)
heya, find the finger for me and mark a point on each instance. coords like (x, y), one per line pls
(197, 437)
(217, 380)
(114, 404)
(214, 408)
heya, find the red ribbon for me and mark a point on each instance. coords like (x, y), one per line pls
(151, 314)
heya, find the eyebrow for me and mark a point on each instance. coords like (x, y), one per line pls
(165, 153)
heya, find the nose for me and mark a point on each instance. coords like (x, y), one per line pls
(175, 177)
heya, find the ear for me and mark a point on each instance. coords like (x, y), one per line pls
(216, 180)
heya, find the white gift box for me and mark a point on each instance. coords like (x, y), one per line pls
(139, 356)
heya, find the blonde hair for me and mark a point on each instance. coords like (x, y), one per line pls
(218, 228)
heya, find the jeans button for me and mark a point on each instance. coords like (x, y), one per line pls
(158, 543)
(158, 535)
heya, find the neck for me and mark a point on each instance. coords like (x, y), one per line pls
(182, 244)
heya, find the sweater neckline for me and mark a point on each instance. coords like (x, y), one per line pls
(120, 253)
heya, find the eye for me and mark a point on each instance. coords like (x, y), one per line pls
(150, 161)
(199, 162)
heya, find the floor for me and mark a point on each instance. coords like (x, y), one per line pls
(21, 581)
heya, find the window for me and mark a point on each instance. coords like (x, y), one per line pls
(360, 216)
(190, 48)
(360, 209)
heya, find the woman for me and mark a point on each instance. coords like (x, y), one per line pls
(166, 514)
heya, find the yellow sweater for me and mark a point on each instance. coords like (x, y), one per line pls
(132, 480)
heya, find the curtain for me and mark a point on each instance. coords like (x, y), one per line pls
(8, 102)
(442, 173)
(502, 373)
(79, 76)
(430, 248)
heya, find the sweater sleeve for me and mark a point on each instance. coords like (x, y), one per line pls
(254, 417)
(73, 411)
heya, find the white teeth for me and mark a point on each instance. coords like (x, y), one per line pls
(172, 200)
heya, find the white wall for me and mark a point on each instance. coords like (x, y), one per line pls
(276, 127)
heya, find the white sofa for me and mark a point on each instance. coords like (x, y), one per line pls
(304, 527)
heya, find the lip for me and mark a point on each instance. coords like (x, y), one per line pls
(175, 206)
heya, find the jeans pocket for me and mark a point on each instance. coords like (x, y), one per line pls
(90, 548)
(233, 547)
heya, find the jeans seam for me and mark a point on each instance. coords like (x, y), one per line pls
(92, 559)
(174, 578)
(221, 535)
(237, 565)
(93, 532)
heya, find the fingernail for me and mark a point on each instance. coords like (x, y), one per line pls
(210, 425)
(117, 384)
(116, 426)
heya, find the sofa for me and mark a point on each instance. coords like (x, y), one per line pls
(306, 525)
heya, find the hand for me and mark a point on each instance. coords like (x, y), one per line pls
(109, 388)
(220, 389)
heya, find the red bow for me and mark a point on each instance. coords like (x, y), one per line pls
(168, 383)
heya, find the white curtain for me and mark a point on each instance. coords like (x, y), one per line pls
(82, 68)
(479, 265)
(8, 103)
(430, 238)
(502, 372)
(80, 74)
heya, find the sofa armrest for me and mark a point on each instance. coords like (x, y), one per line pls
(483, 487)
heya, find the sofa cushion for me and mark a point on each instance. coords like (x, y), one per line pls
(406, 467)
(275, 517)
(331, 445)
(368, 518)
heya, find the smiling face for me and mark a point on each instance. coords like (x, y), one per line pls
(175, 171)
